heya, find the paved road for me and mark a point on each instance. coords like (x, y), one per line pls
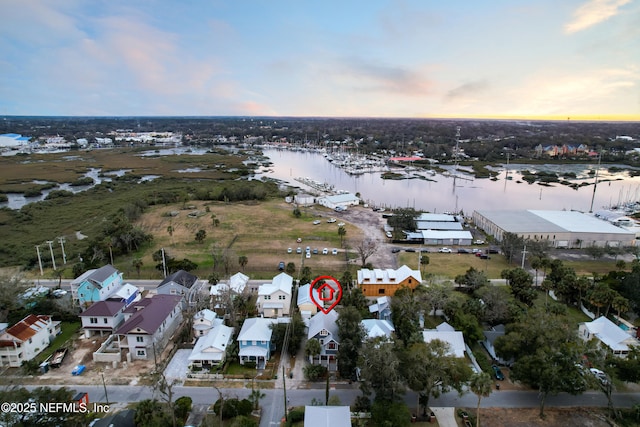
(273, 403)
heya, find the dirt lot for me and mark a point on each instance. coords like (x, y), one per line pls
(554, 417)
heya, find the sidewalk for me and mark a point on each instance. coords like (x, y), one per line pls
(446, 416)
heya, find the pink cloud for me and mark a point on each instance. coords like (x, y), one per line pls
(593, 12)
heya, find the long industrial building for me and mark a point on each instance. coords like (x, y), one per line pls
(562, 229)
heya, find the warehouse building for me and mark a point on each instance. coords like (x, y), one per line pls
(562, 229)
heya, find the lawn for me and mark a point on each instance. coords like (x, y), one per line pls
(68, 331)
(451, 265)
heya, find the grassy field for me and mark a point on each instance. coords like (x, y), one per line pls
(451, 265)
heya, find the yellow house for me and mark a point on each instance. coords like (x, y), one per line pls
(377, 282)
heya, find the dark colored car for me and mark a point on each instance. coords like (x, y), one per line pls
(483, 256)
(410, 250)
(281, 266)
(395, 250)
(463, 251)
(497, 372)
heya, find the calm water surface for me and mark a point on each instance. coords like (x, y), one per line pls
(467, 194)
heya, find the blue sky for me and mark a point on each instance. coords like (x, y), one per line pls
(374, 58)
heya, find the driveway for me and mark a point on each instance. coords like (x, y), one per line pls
(372, 225)
(177, 367)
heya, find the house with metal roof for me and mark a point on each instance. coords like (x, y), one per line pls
(274, 299)
(210, 350)
(254, 341)
(184, 284)
(148, 325)
(379, 282)
(95, 285)
(377, 328)
(612, 338)
(339, 201)
(324, 329)
(305, 305)
(102, 317)
(204, 321)
(127, 293)
(381, 309)
(26, 339)
(327, 416)
(445, 332)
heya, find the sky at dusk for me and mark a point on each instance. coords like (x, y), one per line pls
(373, 58)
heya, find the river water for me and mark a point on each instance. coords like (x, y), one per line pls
(446, 193)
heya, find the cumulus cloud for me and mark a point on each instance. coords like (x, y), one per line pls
(593, 12)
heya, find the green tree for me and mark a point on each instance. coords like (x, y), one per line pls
(350, 335)
(183, 407)
(150, 413)
(312, 349)
(390, 414)
(403, 219)
(473, 279)
(255, 397)
(355, 298)
(424, 261)
(510, 245)
(481, 384)
(200, 236)
(405, 316)
(290, 269)
(380, 372)
(595, 252)
(521, 285)
(11, 287)
(342, 232)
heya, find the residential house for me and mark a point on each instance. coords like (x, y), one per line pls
(611, 337)
(95, 285)
(323, 328)
(26, 339)
(327, 416)
(254, 341)
(377, 282)
(376, 328)
(127, 293)
(274, 299)
(490, 337)
(121, 419)
(303, 199)
(237, 285)
(204, 321)
(102, 317)
(445, 332)
(148, 325)
(210, 350)
(182, 283)
(381, 309)
(305, 305)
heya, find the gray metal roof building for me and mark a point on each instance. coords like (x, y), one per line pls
(568, 229)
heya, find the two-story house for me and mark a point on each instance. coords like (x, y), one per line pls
(324, 329)
(148, 325)
(305, 305)
(204, 321)
(254, 341)
(378, 328)
(26, 339)
(609, 336)
(274, 299)
(445, 332)
(102, 317)
(95, 285)
(377, 282)
(381, 309)
(127, 293)
(184, 284)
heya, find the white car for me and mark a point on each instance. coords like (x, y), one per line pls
(308, 255)
(445, 250)
(389, 235)
(289, 250)
(478, 242)
(316, 222)
(325, 251)
(331, 220)
(341, 224)
(59, 293)
(334, 251)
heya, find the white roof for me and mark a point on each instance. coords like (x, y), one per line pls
(282, 282)
(213, 345)
(377, 328)
(433, 217)
(446, 234)
(342, 198)
(609, 333)
(303, 295)
(253, 350)
(380, 304)
(578, 222)
(327, 416)
(125, 291)
(453, 338)
(324, 321)
(445, 327)
(205, 314)
(388, 276)
(237, 283)
(438, 225)
(256, 329)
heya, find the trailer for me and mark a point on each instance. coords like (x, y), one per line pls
(57, 357)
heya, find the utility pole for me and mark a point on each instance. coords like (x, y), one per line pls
(39, 259)
(64, 255)
(284, 387)
(164, 264)
(53, 259)
(595, 184)
(524, 254)
(106, 396)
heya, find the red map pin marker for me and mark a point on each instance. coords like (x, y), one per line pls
(325, 293)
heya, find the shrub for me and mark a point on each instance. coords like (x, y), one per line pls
(296, 415)
(314, 372)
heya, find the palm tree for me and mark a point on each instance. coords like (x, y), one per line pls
(243, 260)
(341, 232)
(620, 304)
(312, 349)
(137, 264)
(481, 384)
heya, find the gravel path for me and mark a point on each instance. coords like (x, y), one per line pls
(372, 225)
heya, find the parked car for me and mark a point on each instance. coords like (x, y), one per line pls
(325, 251)
(289, 250)
(425, 250)
(388, 234)
(316, 222)
(463, 251)
(308, 255)
(493, 250)
(483, 256)
(281, 266)
(334, 251)
(58, 293)
(478, 242)
(395, 250)
(341, 224)
(331, 220)
(600, 375)
(445, 250)
(299, 240)
(409, 250)
(299, 250)
(497, 372)
(315, 251)
(476, 251)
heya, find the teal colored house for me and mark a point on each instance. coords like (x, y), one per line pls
(95, 285)
(254, 341)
